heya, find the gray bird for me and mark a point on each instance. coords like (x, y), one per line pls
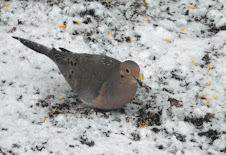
(99, 81)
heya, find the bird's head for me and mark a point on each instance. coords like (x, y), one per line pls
(129, 70)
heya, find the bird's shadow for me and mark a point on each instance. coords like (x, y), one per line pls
(141, 106)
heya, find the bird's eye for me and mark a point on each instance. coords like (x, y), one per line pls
(122, 76)
(127, 70)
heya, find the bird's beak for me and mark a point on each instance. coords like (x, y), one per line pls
(138, 81)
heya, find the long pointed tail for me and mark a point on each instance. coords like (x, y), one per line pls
(35, 46)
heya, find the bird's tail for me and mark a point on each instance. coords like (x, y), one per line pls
(36, 47)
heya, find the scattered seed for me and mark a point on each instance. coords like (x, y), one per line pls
(146, 18)
(182, 30)
(206, 101)
(203, 96)
(136, 53)
(209, 67)
(61, 98)
(62, 27)
(127, 119)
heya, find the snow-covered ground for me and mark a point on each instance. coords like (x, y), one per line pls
(180, 46)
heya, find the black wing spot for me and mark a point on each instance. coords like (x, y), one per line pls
(64, 50)
(73, 62)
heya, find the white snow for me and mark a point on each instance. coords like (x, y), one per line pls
(169, 48)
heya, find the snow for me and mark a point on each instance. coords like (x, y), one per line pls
(39, 114)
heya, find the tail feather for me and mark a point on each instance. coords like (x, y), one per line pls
(35, 46)
(59, 57)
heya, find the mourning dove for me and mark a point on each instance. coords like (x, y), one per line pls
(99, 81)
